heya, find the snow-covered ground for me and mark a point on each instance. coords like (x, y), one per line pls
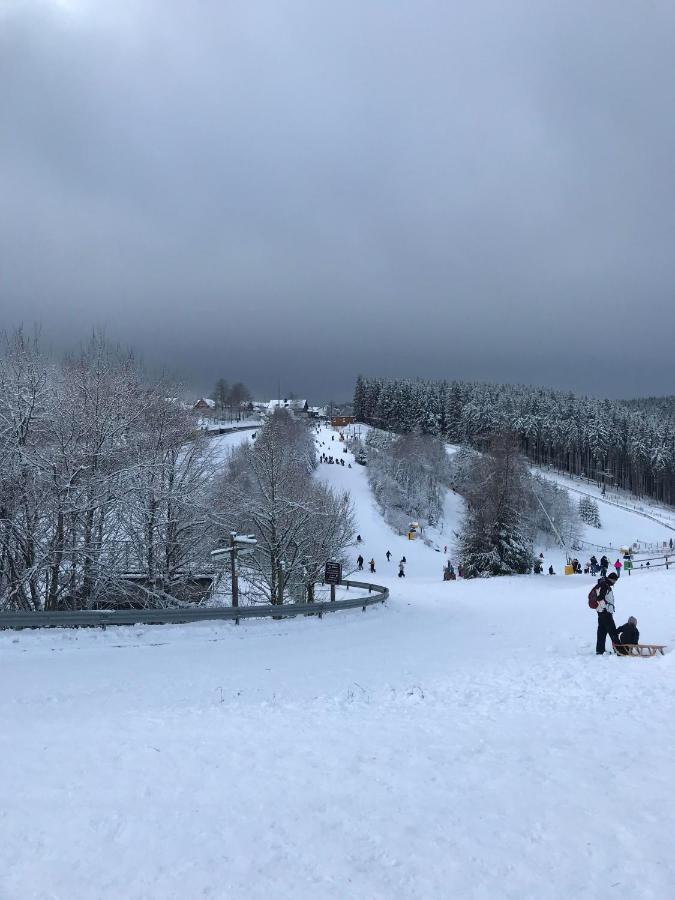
(463, 741)
(649, 524)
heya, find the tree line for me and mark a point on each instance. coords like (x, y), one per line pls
(101, 475)
(611, 442)
(235, 397)
(109, 494)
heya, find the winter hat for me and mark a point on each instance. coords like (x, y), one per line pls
(632, 620)
(613, 576)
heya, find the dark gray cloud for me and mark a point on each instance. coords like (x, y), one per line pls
(306, 190)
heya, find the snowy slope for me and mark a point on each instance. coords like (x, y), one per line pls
(463, 741)
(624, 519)
(377, 536)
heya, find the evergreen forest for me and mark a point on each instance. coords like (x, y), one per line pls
(617, 443)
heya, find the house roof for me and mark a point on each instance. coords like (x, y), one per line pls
(286, 404)
(205, 400)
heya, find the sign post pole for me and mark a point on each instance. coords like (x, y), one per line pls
(333, 576)
(233, 556)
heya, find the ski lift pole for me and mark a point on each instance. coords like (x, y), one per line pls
(555, 530)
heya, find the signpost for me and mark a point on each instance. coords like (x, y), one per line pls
(333, 576)
(240, 544)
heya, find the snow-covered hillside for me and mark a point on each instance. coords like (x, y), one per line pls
(625, 520)
(463, 741)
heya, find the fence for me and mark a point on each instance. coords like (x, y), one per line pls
(102, 617)
(654, 562)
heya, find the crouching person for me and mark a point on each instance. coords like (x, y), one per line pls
(628, 634)
(606, 625)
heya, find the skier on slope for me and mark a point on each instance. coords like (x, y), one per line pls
(388, 555)
(605, 610)
(372, 566)
(359, 562)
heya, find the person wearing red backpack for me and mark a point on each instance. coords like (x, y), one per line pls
(605, 610)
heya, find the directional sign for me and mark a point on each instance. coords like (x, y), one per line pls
(333, 573)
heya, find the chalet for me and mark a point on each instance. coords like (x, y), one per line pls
(341, 421)
(204, 405)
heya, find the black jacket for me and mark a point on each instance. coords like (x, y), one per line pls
(628, 634)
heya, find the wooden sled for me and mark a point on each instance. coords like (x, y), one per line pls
(639, 649)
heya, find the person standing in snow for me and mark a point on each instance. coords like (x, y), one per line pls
(388, 555)
(359, 562)
(372, 566)
(604, 565)
(401, 569)
(594, 564)
(605, 610)
(617, 567)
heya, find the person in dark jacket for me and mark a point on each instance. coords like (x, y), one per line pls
(359, 561)
(594, 564)
(604, 565)
(628, 634)
(606, 624)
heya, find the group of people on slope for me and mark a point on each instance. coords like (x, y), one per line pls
(359, 562)
(625, 634)
(593, 566)
(449, 571)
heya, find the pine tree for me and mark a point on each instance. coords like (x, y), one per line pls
(589, 512)
(494, 539)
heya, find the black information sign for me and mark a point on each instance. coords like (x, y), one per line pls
(333, 574)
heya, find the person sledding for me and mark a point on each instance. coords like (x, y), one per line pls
(628, 634)
(603, 598)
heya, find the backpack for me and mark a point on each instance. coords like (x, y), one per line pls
(593, 598)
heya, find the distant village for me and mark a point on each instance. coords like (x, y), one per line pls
(212, 414)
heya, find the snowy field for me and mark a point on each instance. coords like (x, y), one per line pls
(464, 741)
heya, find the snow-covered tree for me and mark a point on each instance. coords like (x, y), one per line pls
(495, 538)
(589, 512)
(299, 523)
(408, 476)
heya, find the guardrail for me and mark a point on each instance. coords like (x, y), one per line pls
(102, 617)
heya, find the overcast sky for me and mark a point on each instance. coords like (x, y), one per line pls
(306, 190)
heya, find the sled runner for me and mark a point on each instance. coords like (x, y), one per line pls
(639, 649)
